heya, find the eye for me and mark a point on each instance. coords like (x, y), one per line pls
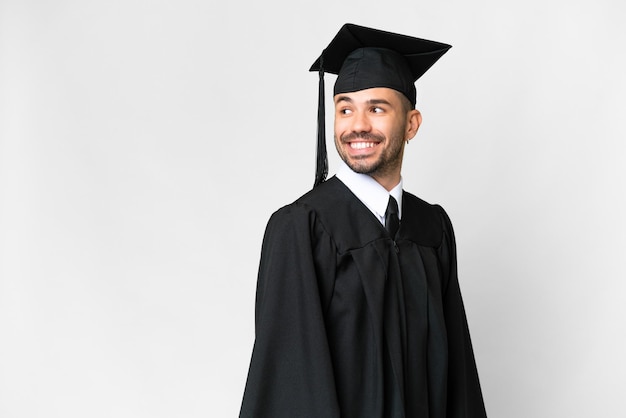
(345, 111)
(377, 109)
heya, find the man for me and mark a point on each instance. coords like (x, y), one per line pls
(358, 310)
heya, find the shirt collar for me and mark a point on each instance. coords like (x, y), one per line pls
(369, 191)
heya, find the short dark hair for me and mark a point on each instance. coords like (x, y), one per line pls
(406, 103)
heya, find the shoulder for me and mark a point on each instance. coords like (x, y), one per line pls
(315, 201)
(333, 209)
(425, 223)
(325, 196)
(306, 213)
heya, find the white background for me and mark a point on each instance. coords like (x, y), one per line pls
(144, 144)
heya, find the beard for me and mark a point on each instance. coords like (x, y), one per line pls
(389, 159)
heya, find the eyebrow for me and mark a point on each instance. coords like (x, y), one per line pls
(343, 99)
(369, 102)
(378, 101)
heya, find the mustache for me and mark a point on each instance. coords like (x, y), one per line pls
(367, 136)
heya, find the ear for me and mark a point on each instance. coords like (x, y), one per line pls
(413, 122)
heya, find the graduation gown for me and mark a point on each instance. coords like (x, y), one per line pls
(351, 323)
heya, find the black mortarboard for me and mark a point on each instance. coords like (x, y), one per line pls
(366, 58)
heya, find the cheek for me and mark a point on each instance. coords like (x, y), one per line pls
(340, 128)
(339, 123)
(400, 128)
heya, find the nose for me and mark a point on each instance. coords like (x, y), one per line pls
(361, 122)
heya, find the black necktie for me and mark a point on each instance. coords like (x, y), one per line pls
(392, 222)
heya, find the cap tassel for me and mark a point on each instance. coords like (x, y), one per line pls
(321, 167)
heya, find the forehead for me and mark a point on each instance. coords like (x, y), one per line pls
(368, 95)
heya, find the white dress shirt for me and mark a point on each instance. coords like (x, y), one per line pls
(370, 192)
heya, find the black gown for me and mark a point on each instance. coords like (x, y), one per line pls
(351, 324)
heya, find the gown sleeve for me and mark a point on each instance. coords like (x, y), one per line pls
(464, 399)
(290, 372)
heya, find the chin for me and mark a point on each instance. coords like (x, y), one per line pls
(362, 168)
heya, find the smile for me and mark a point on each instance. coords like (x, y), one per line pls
(362, 145)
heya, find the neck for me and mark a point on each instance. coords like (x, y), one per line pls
(388, 182)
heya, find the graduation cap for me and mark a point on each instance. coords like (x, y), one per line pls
(365, 58)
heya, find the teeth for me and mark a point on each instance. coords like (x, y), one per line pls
(362, 145)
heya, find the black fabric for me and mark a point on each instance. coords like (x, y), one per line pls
(419, 54)
(367, 68)
(392, 220)
(349, 326)
(321, 158)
